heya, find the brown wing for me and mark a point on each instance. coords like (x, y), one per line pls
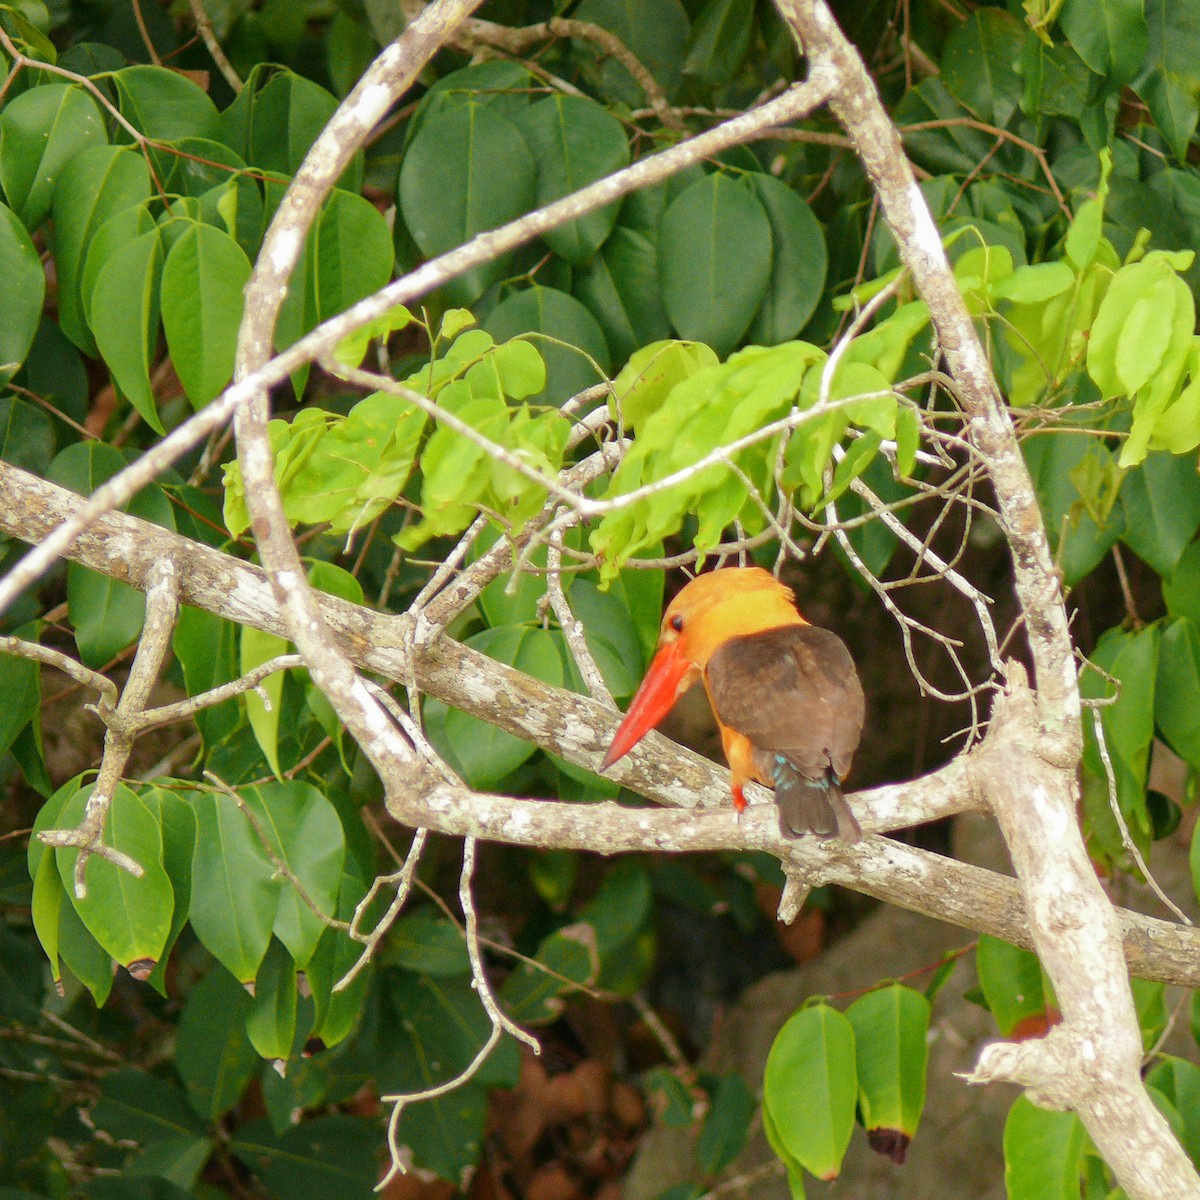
(792, 691)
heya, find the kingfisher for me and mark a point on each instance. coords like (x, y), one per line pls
(785, 694)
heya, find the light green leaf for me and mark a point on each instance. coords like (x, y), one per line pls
(1043, 1153)
(263, 712)
(810, 1088)
(891, 1027)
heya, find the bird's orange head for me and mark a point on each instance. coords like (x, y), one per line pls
(708, 612)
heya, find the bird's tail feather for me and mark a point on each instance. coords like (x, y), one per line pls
(812, 805)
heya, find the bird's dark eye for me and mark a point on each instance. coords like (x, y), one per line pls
(677, 623)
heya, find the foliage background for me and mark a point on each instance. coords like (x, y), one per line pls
(1055, 144)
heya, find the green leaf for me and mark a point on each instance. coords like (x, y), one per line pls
(235, 895)
(143, 1108)
(1161, 501)
(21, 688)
(22, 294)
(41, 131)
(439, 1028)
(565, 961)
(1182, 590)
(164, 105)
(256, 648)
(350, 254)
(305, 832)
(128, 916)
(715, 249)
(126, 330)
(979, 64)
(891, 1027)
(428, 945)
(273, 124)
(798, 262)
(573, 346)
(337, 1013)
(1080, 534)
(213, 1055)
(178, 825)
(106, 615)
(467, 170)
(1043, 1153)
(207, 649)
(659, 44)
(727, 1124)
(1111, 36)
(271, 1021)
(326, 1156)
(1128, 722)
(1016, 991)
(1179, 1081)
(483, 754)
(646, 380)
(621, 290)
(719, 40)
(203, 278)
(1168, 80)
(810, 1088)
(575, 142)
(94, 186)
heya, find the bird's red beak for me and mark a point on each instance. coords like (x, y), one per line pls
(669, 674)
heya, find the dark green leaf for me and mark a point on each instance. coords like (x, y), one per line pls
(142, 1107)
(126, 331)
(565, 961)
(575, 142)
(213, 1056)
(727, 1124)
(327, 1156)
(1162, 510)
(483, 754)
(715, 251)
(467, 170)
(428, 945)
(1177, 689)
(659, 42)
(584, 359)
(271, 1021)
(979, 64)
(798, 263)
(719, 40)
(305, 832)
(1111, 36)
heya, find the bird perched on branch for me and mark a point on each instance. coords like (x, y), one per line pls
(785, 694)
